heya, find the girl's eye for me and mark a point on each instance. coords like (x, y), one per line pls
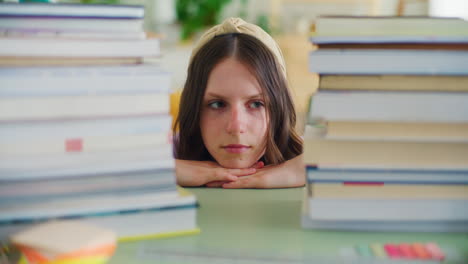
(256, 104)
(216, 104)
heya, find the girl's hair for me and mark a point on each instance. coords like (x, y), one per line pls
(282, 143)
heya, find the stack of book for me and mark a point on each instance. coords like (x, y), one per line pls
(386, 141)
(84, 124)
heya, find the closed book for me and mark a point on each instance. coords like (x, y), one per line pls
(71, 34)
(394, 83)
(62, 130)
(37, 47)
(69, 165)
(33, 190)
(71, 10)
(391, 106)
(397, 46)
(391, 210)
(93, 25)
(391, 131)
(13, 61)
(385, 226)
(413, 225)
(84, 80)
(82, 106)
(174, 213)
(397, 176)
(385, 154)
(86, 205)
(83, 144)
(390, 26)
(416, 37)
(385, 190)
(389, 61)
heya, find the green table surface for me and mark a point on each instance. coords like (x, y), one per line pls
(263, 226)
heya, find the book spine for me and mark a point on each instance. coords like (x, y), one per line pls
(18, 132)
(82, 106)
(98, 80)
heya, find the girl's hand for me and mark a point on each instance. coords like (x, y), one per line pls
(287, 174)
(198, 173)
(218, 184)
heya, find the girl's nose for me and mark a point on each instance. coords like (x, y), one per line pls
(237, 120)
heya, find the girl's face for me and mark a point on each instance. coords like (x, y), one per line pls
(233, 116)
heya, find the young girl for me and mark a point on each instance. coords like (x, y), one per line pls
(236, 118)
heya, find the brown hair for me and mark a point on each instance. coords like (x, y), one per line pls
(282, 143)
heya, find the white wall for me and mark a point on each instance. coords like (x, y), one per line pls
(449, 8)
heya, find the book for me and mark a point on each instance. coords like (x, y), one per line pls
(21, 191)
(71, 34)
(71, 10)
(394, 82)
(27, 131)
(84, 80)
(396, 46)
(326, 153)
(397, 176)
(381, 39)
(82, 106)
(82, 206)
(392, 106)
(175, 214)
(83, 144)
(62, 165)
(389, 61)
(411, 26)
(386, 190)
(390, 131)
(92, 25)
(390, 210)
(44, 47)
(385, 226)
(12, 61)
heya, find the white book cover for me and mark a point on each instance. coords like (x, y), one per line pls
(83, 144)
(423, 39)
(384, 226)
(60, 165)
(390, 26)
(388, 210)
(389, 106)
(67, 107)
(71, 34)
(94, 205)
(65, 129)
(72, 24)
(19, 191)
(84, 80)
(389, 61)
(387, 176)
(135, 224)
(37, 47)
(72, 10)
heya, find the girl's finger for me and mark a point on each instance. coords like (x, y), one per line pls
(245, 182)
(242, 172)
(258, 165)
(221, 174)
(215, 184)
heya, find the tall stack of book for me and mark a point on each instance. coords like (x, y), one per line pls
(85, 124)
(386, 144)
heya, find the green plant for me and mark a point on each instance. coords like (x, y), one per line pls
(195, 15)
